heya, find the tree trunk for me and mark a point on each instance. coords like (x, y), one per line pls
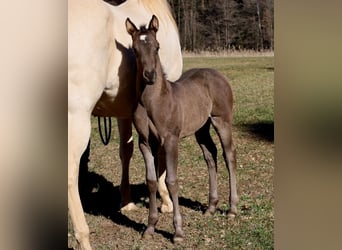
(259, 27)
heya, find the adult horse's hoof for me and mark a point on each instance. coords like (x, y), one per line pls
(85, 245)
(166, 208)
(129, 207)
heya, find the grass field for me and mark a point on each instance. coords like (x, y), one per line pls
(252, 79)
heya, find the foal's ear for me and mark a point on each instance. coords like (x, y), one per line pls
(130, 27)
(154, 24)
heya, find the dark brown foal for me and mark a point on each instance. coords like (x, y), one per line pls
(169, 111)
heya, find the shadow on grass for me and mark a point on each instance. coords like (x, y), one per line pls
(261, 130)
(194, 205)
(101, 197)
(197, 206)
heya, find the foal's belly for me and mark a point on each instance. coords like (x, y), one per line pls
(194, 119)
(195, 105)
(189, 128)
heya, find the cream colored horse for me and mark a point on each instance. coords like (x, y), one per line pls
(101, 81)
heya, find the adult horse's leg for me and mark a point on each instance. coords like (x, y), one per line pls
(210, 155)
(160, 164)
(78, 136)
(166, 206)
(171, 151)
(224, 130)
(126, 152)
(84, 182)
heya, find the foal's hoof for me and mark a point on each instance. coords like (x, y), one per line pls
(232, 212)
(209, 212)
(178, 237)
(148, 234)
(128, 207)
(231, 215)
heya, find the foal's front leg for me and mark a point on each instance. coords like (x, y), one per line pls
(151, 179)
(141, 124)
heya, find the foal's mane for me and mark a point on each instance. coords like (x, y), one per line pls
(143, 29)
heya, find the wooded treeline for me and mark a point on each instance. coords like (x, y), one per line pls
(216, 25)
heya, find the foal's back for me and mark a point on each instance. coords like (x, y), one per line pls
(201, 93)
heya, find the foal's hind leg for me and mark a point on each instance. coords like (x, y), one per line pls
(210, 155)
(126, 152)
(224, 130)
(171, 153)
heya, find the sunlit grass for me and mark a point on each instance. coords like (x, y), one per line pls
(252, 80)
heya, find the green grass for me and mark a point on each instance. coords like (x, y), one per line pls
(252, 82)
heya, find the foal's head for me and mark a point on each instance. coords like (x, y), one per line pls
(145, 47)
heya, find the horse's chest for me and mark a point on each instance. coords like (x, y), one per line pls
(165, 121)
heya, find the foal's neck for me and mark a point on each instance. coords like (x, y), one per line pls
(163, 84)
(160, 88)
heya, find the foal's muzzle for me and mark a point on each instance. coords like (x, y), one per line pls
(149, 76)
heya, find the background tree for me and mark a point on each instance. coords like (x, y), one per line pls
(224, 24)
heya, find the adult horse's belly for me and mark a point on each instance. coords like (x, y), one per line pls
(120, 105)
